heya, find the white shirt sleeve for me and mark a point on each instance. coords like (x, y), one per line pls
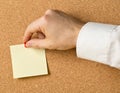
(100, 43)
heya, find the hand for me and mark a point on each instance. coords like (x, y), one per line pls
(54, 30)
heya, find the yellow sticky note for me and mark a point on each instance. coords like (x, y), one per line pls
(28, 61)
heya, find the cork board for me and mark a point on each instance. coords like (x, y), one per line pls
(67, 73)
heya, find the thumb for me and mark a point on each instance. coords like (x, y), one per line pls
(37, 43)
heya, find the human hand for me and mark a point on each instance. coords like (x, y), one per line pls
(54, 30)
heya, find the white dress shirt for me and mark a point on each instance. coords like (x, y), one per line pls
(100, 43)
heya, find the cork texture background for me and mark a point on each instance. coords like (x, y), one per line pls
(67, 73)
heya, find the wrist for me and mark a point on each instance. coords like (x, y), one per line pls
(77, 30)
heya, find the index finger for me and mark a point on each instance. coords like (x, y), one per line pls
(31, 29)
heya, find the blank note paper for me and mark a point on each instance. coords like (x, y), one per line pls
(28, 61)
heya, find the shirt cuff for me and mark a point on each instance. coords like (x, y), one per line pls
(94, 42)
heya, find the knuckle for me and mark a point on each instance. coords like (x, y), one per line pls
(45, 17)
(49, 14)
(49, 11)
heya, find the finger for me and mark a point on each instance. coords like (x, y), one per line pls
(37, 43)
(32, 28)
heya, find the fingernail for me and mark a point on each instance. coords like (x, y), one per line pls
(25, 45)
